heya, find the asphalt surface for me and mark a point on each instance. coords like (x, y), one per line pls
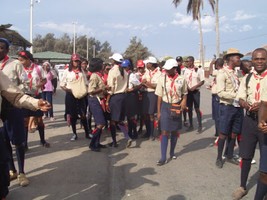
(69, 170)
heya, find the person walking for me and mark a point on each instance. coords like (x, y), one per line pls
(48, 90)
(231, 114)
(249, 94)
(35, 81)
(195, 79)
(171, 89)
(75, 106)
(115, 104)
(97, 91)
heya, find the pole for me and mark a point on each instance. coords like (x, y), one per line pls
(217, 29)
(31, 22)
(74, 36)
(201, 42)
(87, 46)
(93, 51)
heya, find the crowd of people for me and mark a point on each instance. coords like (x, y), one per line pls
(122, 95)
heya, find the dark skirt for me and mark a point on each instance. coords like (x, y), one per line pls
(14, 126)
(96, 111)
(75, 106)
(31, 113)
(117, 107)
(149, 103)
(168, 123)
(131, 103)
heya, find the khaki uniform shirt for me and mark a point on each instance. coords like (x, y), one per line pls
(117, 83)
(95, 83)
(214, 82)
(227, 86)
(174, 91)
(15, 96)
(152, 77)
(69, 76)
(248, 94)
(193, 76)
(13, 69)
(263, 96)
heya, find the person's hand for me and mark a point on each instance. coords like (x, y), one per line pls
(43, 105)
(192, 88)
(255, 107)
(107, 108)
(183, 106)
(246, 105)
(263, 127)
(108, 88)
(158, 115)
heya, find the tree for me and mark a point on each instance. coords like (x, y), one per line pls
(193, 7)
(136, 50)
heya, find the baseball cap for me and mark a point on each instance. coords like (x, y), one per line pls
(170, 63)
(140, 63)
(75, 57)
(152, 60)
(179, 59)
(117, 57)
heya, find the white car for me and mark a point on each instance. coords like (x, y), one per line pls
(60, 68)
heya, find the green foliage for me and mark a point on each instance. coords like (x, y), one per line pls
(136, 51)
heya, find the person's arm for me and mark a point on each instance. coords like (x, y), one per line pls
(262, 117)
(159, 107)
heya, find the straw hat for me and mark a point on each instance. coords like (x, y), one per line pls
(231, 52)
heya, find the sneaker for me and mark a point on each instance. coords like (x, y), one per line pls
(45, 144)
(52, 119)
(219, 163)
(161, 162)
(253, 161)
(74, 137)
(44, 117)
(186, 124)
(12, 175)
(152, 138)
(95, 149)
(129, 143)
(232, 161)
(22, 179)
(102, 146)
(239, 193)
(113, 144)
(173, 157)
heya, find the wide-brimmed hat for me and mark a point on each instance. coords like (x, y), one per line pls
(231, 52)
(6, 41)
(170, 63)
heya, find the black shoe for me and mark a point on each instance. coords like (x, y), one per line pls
(219, 163)
(145, 136)
(161, 162)
(190, 128)
(112, 144)
(186, 124)
(94, 149)
(102, 146)
(232, 161)
(199, 130)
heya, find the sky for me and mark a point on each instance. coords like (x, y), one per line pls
(162, 28)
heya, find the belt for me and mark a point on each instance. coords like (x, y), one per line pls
(252, 115)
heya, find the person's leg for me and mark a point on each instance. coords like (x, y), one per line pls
(196, 100)
(152, 134)
(174, 137)
(190, 110)
(113, 133)
(261, 190)
(41, 130)
(163, 148)
(73, 120)
(50, 100)
(221, 142)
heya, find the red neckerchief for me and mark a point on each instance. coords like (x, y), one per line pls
(152, 73)
(100, 75)
(173, 87)
(191, 75)
(76, 71)
(29, 71)
(258, 85)
(6, 58)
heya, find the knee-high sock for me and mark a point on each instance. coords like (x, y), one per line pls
(152, 128)
(85, 127)
(130, 127)
(231, 147)
(164, 146)
(174, 138)
(26, 137)
(41, 134)
(113, 132)
(11, 164)
(95, 133)
(220, 148)
(73, 121)
(98, 137)
(20, 152)
(199, 117)
(261, 191)
(190, 116)
(246, 165)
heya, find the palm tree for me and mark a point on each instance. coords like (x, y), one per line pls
(194, 8)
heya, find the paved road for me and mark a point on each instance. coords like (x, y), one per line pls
(69, 170)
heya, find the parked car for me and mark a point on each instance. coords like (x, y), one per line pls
(60, 68)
